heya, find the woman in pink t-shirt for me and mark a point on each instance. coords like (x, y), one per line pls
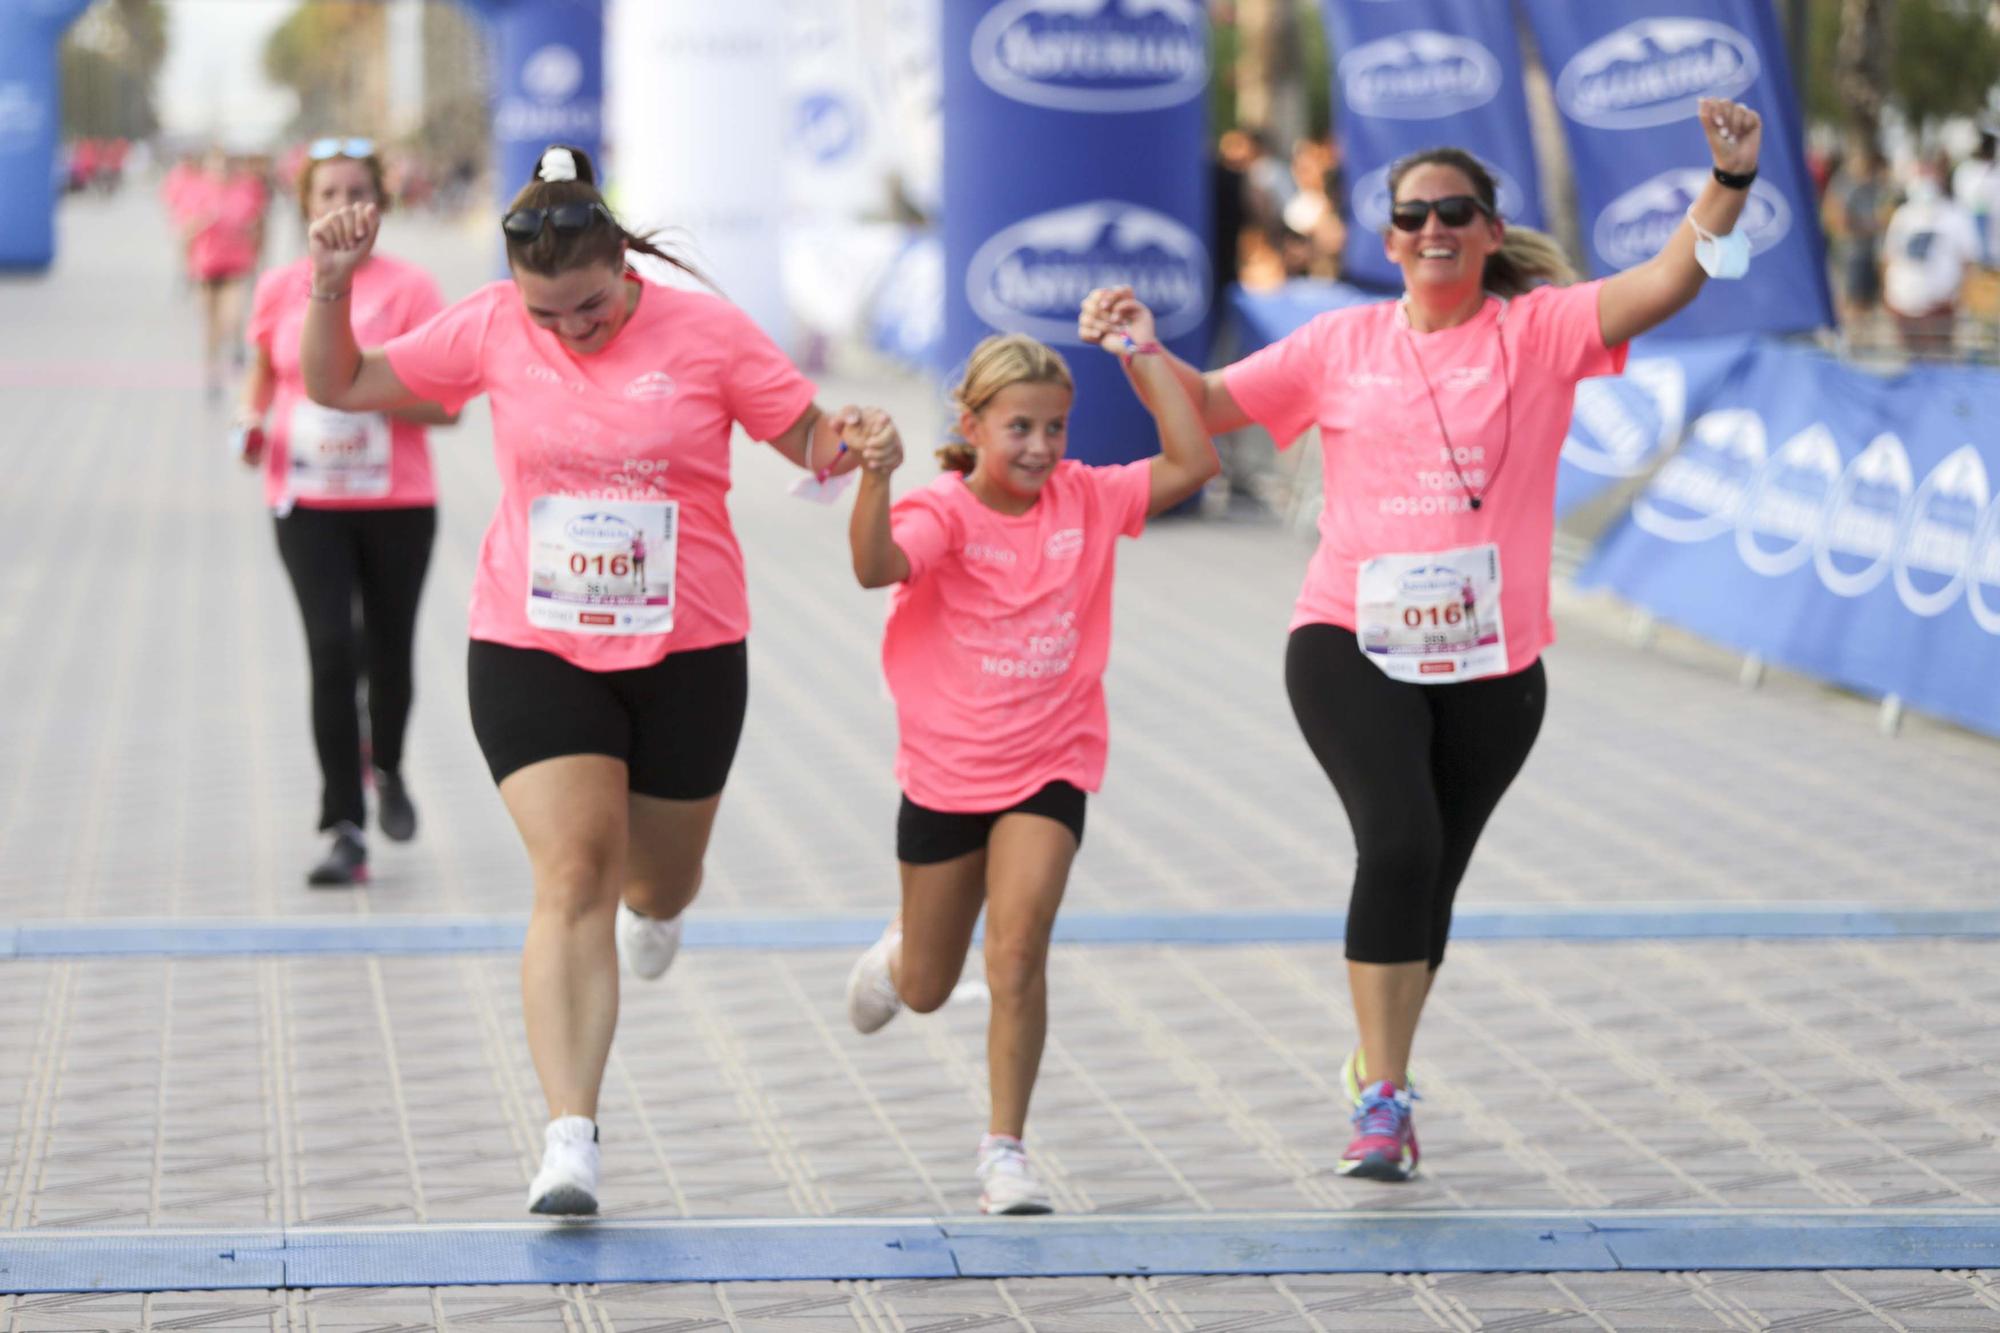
(999, 631)
(608, 699)
(355, 511)
(1414, 662)
(220, 213)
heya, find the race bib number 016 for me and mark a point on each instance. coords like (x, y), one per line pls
(602, 566)
(1433, 617)
(336, 455)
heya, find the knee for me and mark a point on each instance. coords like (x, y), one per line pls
(577, 885)
(1403, 854)
(924, 990)
(330, 650)
(1015, 967)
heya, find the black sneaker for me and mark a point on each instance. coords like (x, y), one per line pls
(394, 814)
(346, 861)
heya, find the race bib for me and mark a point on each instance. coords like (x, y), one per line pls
(336, 455)
(1434, 617)
(602, 566)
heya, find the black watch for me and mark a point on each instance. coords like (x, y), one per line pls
(1736, 180)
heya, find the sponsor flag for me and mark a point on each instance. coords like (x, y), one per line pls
(548, 83)
(1626, 80)
(1415, 74)
(1835, 522)
(1073, 160)
(1621, 425)
(30, 115)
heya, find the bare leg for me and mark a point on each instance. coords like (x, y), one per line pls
(1028, 868)
(572, 816)
(665, 844)
(1388, 1000)
(941, 905)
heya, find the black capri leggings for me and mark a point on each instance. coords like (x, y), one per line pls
(1420, 769)
(373, 561)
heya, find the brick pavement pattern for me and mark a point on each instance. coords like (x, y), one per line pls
(155, 760)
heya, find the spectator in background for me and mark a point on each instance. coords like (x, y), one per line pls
(1229, 185)
(1928, 246)
(1856, 210)
(1975, 185)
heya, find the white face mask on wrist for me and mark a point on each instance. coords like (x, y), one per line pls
(1726, 256)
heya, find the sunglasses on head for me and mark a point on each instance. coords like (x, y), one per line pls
(1454, 210)
(525, 224)
(319, 150)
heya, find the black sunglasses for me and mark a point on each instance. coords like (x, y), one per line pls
(525, 224)
(1454, 210)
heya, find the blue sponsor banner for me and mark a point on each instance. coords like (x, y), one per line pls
(30, 121)
(1073, 159)
(1414, 74)
(1835, 522)
(1627, 78)
(548, 82)
(1621, 424)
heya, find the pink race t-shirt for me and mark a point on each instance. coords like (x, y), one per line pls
(226, 246)
(390, 297)
(1391, 485)
(997, 640)
(639, 428)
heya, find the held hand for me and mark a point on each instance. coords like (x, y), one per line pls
(877, 442)
(1112, 314)
(339, 242)
(1735, 133)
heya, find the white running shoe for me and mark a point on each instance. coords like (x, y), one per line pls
(567, 1183)
(1007, 1183)
(647, 944)
(871, 995)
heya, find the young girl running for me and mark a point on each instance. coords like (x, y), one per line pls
(999, 630)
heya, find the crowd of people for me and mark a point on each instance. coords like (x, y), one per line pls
(607, 663)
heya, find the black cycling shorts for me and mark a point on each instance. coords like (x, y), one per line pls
(924, 837)
(675, 724)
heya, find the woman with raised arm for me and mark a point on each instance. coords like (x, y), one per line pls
(607, 699)
(1414, 663)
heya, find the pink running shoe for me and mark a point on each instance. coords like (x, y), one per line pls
(1385, 1137)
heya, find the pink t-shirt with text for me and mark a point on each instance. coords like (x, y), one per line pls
(997, 642)
(1391, 486)
(390, 297)
(646, 419)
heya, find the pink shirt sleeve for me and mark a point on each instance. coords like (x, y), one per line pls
(922, 528)
(263, 323)
(764, 390)
(1280, 385)
(1126, 492)
(443, 360)
(1559, 328)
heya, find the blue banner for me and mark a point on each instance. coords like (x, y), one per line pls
(1835, 522)
(1627, 78)
(1621, 424)
(30, 123)
(1415, 74)
(548, 83)
(1073, 159)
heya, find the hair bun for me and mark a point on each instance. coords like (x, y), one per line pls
(565, 162)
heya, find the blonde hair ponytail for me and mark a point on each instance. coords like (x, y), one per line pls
(999, 361)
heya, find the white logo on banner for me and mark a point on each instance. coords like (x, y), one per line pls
(1654, 71)
(1094, 55)
(1786, 500)
(1418, 75)
(1031, 277)
(1982, 572)
(1938, 529)
(1370, 197)
(552, 73)
(1700, 490)
(550, 76)
(1638, 223)
(826, 126)
(1621, 422)
(1863, 517)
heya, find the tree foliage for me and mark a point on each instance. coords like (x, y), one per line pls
(1929, 59)
(110, 63)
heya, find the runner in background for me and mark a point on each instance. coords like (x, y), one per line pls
(608, 714)
(999, 631)
(221, 216)
(1441, 417)
(355, 509)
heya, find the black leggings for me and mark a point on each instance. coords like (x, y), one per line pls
(1419, 768)
(373, 560)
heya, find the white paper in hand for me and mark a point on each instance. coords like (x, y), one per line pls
(825, 492)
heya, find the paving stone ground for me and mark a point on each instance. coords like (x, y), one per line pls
(155, 761)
